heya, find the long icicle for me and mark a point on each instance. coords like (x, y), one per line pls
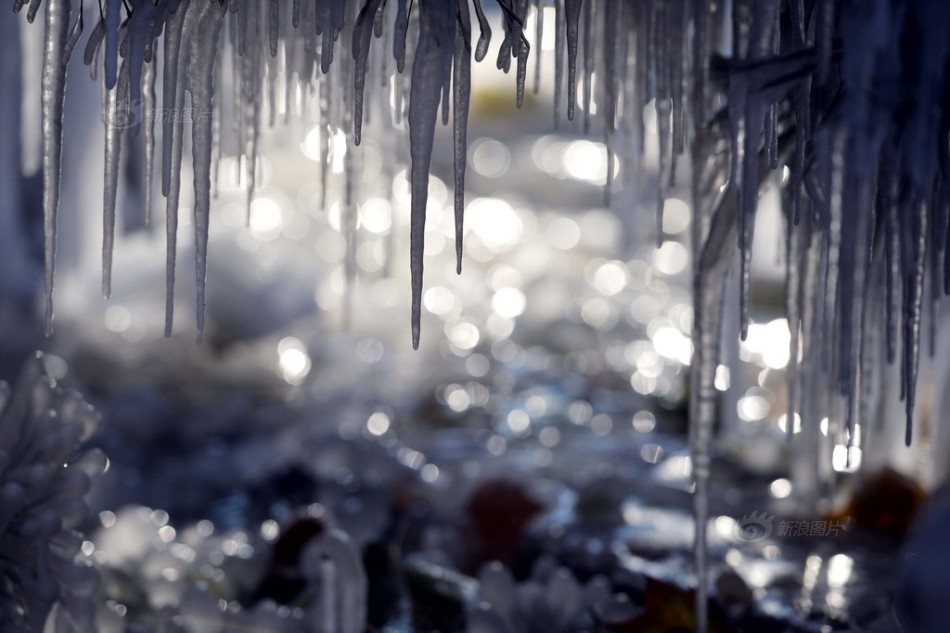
(202, 51)
(148, 113)
(572, 16)
(171, 51)
(462, 82)
(423, 111)
(251, 66)
(588, 61)
(914, 293)
(709, 280)
(117, 119)
(174, 143)
(52, 98)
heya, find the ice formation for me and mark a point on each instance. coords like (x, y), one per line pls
(43, 480)
(844, 104)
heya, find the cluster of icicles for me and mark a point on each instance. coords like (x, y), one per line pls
(844, 104)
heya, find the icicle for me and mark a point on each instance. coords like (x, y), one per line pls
(801, 114)
(892, 258)
(273, 23)
(216, 127)
(116, 120)
(31, 12)
(290, 51)
(139, 39)
(763, 42)
(833, 228)
(588, 62)
(677, 26)
(664, 113)
(112, 19)
(462, 81)
(296, 15)
(399, 40)
(337, 15)
(806, 474)
(52, 97)
(162, 11)
(148, 109)
(173, 34)
(173, 125)
(572, 15)
(200, 76)
(870, 361)
(386, 36)
(914, 293)
(935, 285)
(709, 278)
(242, 8)
(423, 111)
(378, 21)
(611, 20)
(794, 253)
(484, 32)
(325, 27)
(324, 139)
(855, 262)
(350, 181)
(73, 39)
(92, 44)
(503, 63)
(250, 98)
(747, 166)
(447, 54)
(523, 51)
(362, 35)
(273, 72)
(237, 101)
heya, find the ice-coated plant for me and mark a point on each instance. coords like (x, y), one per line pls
(44, 475)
